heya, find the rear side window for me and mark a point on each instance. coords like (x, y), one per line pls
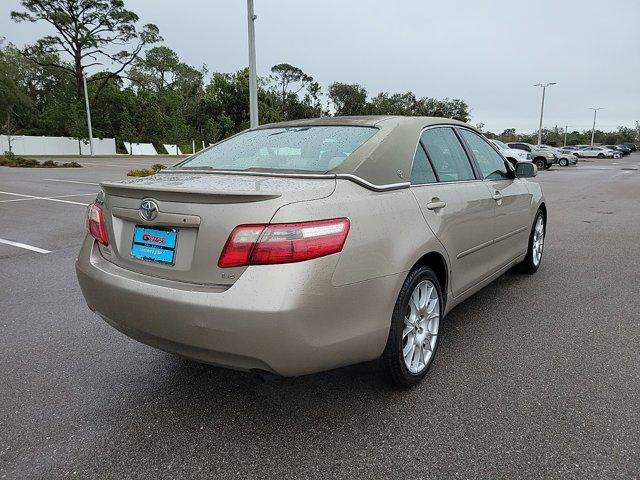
(306, 149)
(421, 172)
(491, 164)
(447, 156)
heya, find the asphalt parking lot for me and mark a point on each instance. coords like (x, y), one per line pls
(536, 377)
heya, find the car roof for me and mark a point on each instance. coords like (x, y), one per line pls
(385, 159)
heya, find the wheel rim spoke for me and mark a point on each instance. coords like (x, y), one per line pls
(422, 321)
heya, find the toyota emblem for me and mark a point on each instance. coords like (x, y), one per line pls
(148, 210)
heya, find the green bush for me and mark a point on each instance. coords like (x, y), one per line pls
(156, 167)
(140, 172)
(9, 159)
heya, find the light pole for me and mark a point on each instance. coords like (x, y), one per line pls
(544, 89)
(253, 80)
(593, 129)
(565, 135)
(86, 101)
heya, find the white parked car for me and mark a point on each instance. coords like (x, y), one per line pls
(596, 152)
(514, 155)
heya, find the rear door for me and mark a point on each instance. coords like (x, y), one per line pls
(456, 205)
(510, 194)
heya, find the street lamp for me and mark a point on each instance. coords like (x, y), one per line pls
(593, 129)
(544, 89)
(253, 80)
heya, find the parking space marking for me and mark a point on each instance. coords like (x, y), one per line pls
(69, 181)
(50, 199)
(24, 245)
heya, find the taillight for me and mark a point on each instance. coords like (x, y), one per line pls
(283, 243)
(95, 224)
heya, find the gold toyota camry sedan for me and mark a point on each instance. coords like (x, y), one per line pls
(303, 246)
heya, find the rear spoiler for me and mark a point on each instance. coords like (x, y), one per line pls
(177, 194)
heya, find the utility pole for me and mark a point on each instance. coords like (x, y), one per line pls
(253, 79)
(565, 135)
(593, 129)
(86, 101)
(544, 89)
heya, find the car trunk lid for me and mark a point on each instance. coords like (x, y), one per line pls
(202, 209)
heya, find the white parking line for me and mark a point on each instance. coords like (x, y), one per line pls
(69, 181)
(44, 198)
(24, 245)
(47, 198)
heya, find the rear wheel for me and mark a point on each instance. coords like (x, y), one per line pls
(415, 324)
(601, 155)
(540, 163)
(531, 262)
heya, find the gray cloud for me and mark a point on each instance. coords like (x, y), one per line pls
(488, 53)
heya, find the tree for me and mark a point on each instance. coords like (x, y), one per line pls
(348, 99)
(286, 75)
(89, 32)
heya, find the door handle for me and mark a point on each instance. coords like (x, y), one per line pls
(436, 205)
(497, 196)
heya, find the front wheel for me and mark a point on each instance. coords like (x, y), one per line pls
(563, 162)
(415, 324)
(531, 262)
(601, 155)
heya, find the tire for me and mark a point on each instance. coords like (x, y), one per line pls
(601, 155)
(563, 162)
(530, 265)
(424, 281)
(540, 163)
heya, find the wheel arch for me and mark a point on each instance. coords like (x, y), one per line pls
(543, 208)
(436, 262)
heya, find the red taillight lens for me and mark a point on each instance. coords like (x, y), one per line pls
(283, 243)
(95, 224)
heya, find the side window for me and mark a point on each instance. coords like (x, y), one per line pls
(491, 164)
(421, 172)
(447, 155)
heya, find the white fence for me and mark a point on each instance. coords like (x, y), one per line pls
(29, 145)
(140, 148)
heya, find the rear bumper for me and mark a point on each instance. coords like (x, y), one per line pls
(286, 319)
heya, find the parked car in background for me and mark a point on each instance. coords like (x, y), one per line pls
(597, 152)
(624, 150)
(514, 155)
(566, 159)
(542, 158)
(303, 246)
(568, 149)
(632, 146)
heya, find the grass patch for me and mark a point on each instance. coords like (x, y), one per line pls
(9, 159)
(145, 172)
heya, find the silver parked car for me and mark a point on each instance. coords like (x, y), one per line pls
(596, 152)
(308, 245)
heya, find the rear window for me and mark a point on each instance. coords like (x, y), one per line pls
(307, 149)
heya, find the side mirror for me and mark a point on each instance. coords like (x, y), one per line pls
(526, 170)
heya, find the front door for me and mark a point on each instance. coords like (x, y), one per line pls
(510, 194)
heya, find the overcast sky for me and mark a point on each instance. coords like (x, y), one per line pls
(488, 53)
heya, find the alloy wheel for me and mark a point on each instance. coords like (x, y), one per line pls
(421, 324)
(538, 241)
